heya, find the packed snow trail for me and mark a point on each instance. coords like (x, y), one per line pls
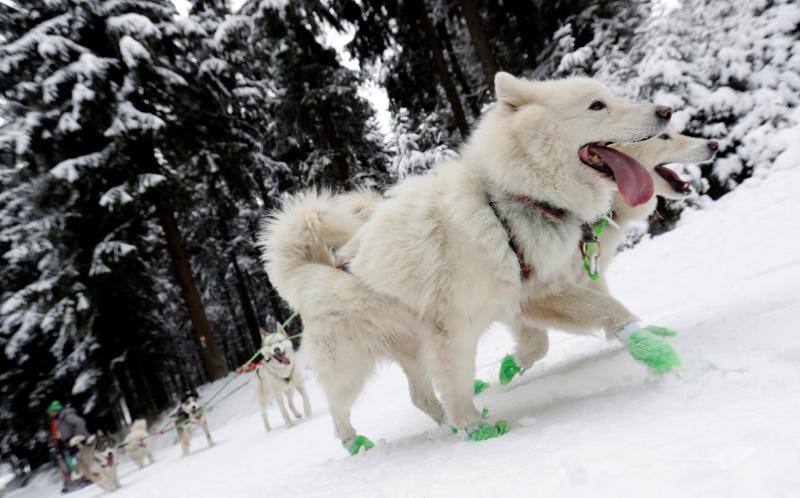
(586, 421)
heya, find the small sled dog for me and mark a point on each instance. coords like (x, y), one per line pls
(348, 328)
(484, 237)
(277, 376)
(654, 154)
(189, 416)
(97, 460)
(138, 443)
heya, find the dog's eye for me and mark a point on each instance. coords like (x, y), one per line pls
(597, 105)
(664, 136)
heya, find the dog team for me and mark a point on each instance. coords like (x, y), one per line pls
(416, 275)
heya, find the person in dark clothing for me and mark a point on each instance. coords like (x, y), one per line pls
(65, 423)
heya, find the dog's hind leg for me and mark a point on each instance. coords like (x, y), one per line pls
(301, 388)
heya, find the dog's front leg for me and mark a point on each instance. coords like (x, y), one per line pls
(204, 425)
(451, 351)
(532, 343)
(263, 401)
(579, 309)
(281, 402)
(185, 438)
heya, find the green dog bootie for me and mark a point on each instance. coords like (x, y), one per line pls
(358, 443)
(647, 345)
(480, 386)
(482, 432)
(508, 369)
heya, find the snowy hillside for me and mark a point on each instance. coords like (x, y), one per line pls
(585, 422)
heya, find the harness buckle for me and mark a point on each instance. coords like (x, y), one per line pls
(590, 250)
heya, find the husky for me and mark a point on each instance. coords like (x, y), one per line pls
(655, 154)
(484, 237)
(277, 375)
(189, 416)
(96, 459)
(138, 442)
(348, 328)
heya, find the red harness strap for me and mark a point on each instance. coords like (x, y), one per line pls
(525, 269)
(542, 206)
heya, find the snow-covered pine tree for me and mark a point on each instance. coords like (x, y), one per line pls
(736, 89)
(93, 94)
(414, 149)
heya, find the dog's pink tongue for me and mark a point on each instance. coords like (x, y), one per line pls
(634, 183)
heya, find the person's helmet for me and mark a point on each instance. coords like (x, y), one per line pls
(55, 406)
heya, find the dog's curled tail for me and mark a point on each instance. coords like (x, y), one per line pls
(305, 230)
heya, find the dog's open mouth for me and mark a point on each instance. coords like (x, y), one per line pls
(677, 183)
(278, 355)
(634, 183)
(110, 460)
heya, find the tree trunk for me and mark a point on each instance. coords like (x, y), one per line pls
(247, 303)
(213, 361)
(479, 39)
(444, 35)
(444, 75)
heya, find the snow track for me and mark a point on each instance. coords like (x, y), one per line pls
(586, 421)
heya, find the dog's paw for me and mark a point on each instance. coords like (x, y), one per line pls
(482, 432)
(648, 346)
(356, 444)
(508, 369)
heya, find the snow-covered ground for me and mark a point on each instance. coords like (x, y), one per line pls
(585, 422)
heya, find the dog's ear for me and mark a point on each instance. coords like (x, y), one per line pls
(264, 332)
(511, 91)
(280, 330)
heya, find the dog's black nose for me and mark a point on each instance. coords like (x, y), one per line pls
(664, 112)
(713, 145)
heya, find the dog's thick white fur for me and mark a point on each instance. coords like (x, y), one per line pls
(437, 247)
(96, 460)
(668, 147)
(347, 326)
(138, 443)
(279, 377)
(190, 416)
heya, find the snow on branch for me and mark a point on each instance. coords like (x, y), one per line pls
(132, 24)
(69, 170)
(129, 119)
(133, 53)
(233, 26)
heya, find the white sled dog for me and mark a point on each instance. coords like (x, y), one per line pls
(485, 237)
(654, 154)
(96, 459)
(189, 416)
(347, 326)
(138, 442)
(278, 376)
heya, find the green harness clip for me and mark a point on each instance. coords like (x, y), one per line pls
(590, 250)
